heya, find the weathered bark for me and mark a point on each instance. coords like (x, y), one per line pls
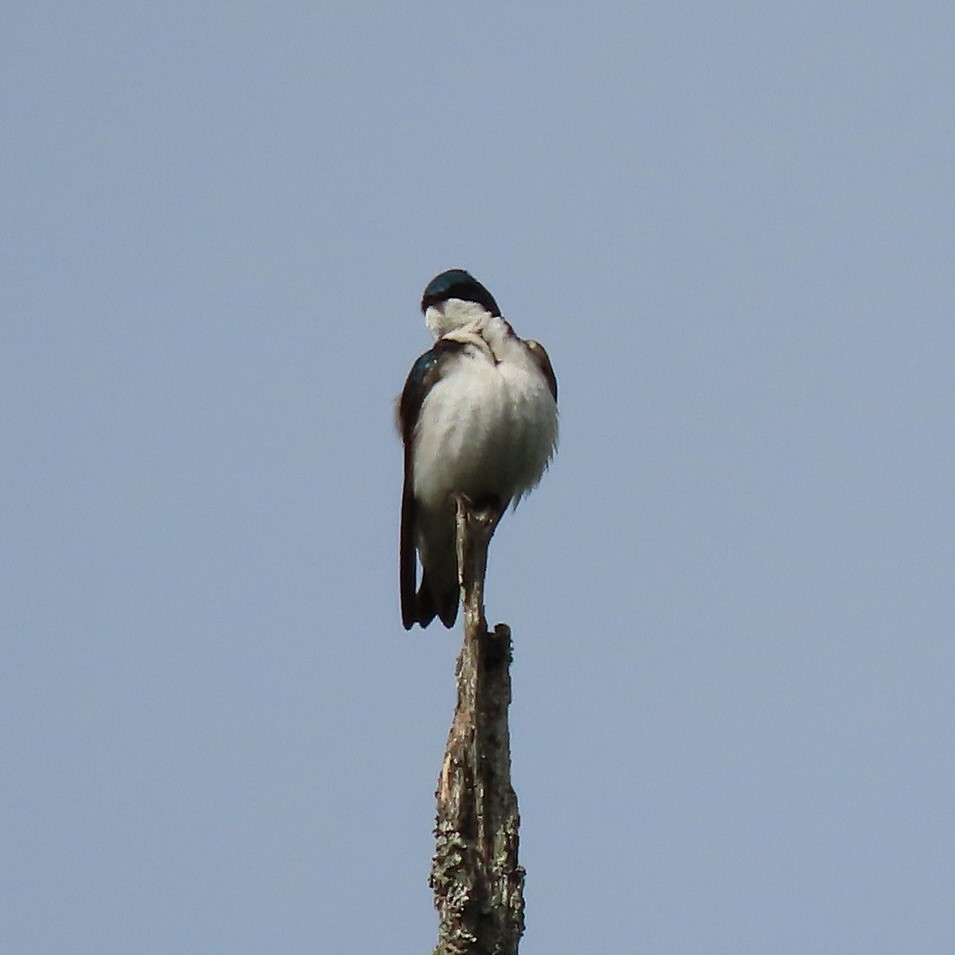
(478, 884)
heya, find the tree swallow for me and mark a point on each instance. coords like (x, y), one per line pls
(478, 418)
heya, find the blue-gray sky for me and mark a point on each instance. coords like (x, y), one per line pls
(732, 596)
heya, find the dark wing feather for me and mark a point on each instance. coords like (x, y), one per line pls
(424, 375)
(539, 355)
(407, 567)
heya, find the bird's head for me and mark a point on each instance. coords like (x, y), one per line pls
(454, 299)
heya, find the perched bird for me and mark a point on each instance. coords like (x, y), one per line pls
(478, 418)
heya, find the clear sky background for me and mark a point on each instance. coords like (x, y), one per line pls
(732, 597)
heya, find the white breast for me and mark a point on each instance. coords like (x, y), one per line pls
(488, 427)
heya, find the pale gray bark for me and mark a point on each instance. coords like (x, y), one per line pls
(478, 884)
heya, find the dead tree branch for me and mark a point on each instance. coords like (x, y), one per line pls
(478, 884)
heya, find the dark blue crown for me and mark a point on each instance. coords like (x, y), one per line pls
(456, 283)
